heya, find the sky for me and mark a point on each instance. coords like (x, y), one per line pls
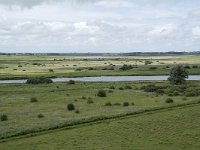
(103, 26)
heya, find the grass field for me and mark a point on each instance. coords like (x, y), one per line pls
(70, 66)
(54, 98)
(132, 115)
(172, 129)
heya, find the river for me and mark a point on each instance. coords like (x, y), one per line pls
(106, 79)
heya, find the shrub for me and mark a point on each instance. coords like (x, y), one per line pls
(169, 100)
(70, 107)
(71, 82)
(153, 68)
(19, 65)
(176, 93)
(187, 67)
(90, 101)
(77, 111)
(127, 87)
(151, 88)
(51, 70)
(40, 80)
(117, 104)
(108, 104)
(147, 62)
(83, 97)
(132, 103)
(40, 116)
(194, 66)
(126, 104)
(160, 91)
(101, 93)
(4, 117)
(121, 88)
(126, 67)
(33, 100)
(112, 87)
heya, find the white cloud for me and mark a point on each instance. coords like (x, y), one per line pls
(115, 4)
(196, 31)
(162, 31)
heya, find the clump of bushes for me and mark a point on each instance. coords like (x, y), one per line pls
(83, 97)
(117, 104)
(126, 67)
(77, 111)
(108, 104)
(36, 64)
(147, 62)
(51, 70)
(169, 100)
(127, 87)
(40, 116)
(4, 117)
(101, 93)
(33, 100)
(40, 80)
(121, 88)
(126, 104)
(112, 87)
(90, 101)
(71, 82)
(194, 66)
(153, 68)
(70, 107)
(151, 88)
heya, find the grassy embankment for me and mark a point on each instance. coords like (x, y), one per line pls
(16, 67)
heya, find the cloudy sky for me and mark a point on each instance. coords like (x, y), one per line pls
(99, 25)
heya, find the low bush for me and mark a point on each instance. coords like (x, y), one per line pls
(132, 103)
(33, 100)
(71, 82)
(121, 88)
(51, 70)
(90, 101)
(169, 100)
(77, 111)
(40, 116)
(70, 107)
(117, 104)
(127, 87)
(19, 66)
(153, 68)
(108, 104)
(83, 97)
(126, 67)
(4, 117)
(112, 87)
(40, 80)
(195, 67)
(101, 93)
(126, 104)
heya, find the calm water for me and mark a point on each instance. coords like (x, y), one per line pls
(107, 79)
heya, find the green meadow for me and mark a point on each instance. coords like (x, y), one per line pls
(17, 66)
(170, 129)
(98, 115)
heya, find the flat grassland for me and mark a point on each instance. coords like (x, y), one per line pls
(132, 115)
(52, 101)
(172, 129)
(14, 66)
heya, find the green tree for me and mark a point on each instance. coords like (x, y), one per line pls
(178, 74)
